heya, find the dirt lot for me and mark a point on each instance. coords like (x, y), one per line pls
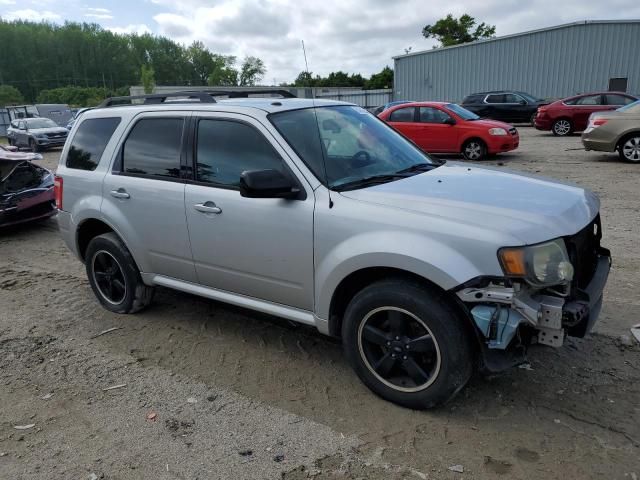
(210, 391)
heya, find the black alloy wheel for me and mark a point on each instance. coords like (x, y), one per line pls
(399, 349)
(109, 277)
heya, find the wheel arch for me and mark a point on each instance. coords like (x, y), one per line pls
(87, 230)
(625, 136)
(359, 279)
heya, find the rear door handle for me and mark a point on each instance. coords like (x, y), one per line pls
(120, 193)
(207, 207)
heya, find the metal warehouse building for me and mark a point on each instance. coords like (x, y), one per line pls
(548, 63)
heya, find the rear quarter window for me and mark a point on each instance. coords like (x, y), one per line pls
(89, 142)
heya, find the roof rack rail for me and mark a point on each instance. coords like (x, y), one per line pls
(203, 96)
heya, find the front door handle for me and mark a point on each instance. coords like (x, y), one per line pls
(120, 193)
(207, 207)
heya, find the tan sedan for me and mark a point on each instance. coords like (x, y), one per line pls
(615, 130)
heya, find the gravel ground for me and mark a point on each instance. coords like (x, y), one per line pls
(212, 391)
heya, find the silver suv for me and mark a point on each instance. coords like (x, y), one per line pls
(318, 212)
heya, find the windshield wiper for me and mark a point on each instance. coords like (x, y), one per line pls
(418, 167)
(368, 181)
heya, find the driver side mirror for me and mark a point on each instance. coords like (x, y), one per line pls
(268, 184)
(522, 102)
(449, 121)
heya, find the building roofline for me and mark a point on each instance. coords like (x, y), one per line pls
(519, 34)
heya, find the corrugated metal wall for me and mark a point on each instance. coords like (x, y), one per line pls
(549, 63)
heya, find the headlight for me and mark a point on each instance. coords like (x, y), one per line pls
(497, 131)
(543, 265)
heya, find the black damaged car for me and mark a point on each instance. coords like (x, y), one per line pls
(26, 192)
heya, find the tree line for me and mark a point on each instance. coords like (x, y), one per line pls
(382, 79)
(85, 62)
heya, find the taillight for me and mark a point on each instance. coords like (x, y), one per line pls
(599, 121)
(57, 191)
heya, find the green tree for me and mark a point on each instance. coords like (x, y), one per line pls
(201, 61)
(224, 74)
(251, 71)
(147, 78)
(383, 79)
(454, 31)
(10, 95)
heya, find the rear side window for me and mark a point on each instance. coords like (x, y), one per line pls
(153, 148)
(226, 148)
(618, 100)
(402, 115)
(89, 142)
(472, 99)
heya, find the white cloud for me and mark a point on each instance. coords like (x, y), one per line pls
(7, 2)
(98, 10)
(32, 15)
(139, 28)
(100, 16)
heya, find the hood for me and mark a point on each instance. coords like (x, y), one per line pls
(48, 130)
(530, 208)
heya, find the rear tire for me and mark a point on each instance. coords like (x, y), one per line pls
(474, 150)
(407, 344)
(114, 276)
(562, 127)
(629, 148)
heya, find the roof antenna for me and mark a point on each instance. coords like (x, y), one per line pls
(313, 100)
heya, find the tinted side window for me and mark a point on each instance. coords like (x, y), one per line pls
(473, 99)
(402, 115)
(496, 98)
(432, 115)
(226, 148)
(618, 100)
(89, 142)
(153, 148)
(589, 100)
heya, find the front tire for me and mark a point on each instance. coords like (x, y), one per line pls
(114, 276)
(562, 127)
(629, 148)
(407, 344)
(33, 146)
(474, 150)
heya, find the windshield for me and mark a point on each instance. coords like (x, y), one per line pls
(631, 107)
(359, 148)
(461, 112)
(41, 123)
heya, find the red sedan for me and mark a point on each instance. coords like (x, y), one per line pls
(572, 114)
(439, 127)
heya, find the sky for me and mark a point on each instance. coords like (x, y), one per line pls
(356, 36)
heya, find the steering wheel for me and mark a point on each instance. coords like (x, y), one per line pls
(361, 159)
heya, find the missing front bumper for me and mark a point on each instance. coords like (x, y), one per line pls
(500, 311)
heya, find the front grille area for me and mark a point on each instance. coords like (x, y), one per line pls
(583, 252)
(56, 135)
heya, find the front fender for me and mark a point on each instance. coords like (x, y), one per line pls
(409, 252)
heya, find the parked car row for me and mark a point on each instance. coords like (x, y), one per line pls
(477, 127)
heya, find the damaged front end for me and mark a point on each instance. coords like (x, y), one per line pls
(549, 291)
